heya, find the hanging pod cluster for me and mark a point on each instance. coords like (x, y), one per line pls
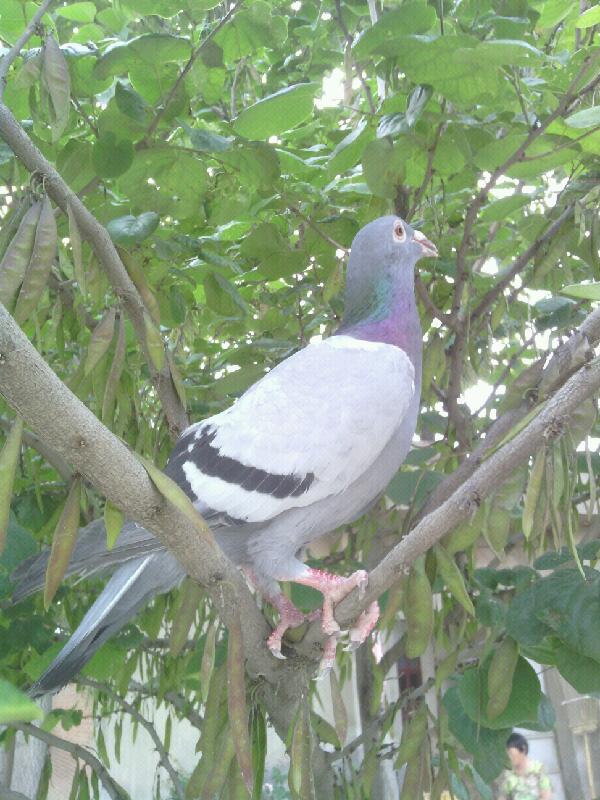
(27, 260)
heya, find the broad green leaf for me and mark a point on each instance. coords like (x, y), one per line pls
(150, 48)
(412, 17)
(131, 230)
(584, 291)
(78, 12)
(589, 18)
(15, 706)
(130, 103)
(222, 297)
(276, 113)
(521, 707)
(9, 458)
(587, 118)
(63, 542)
(113, 522)
(111, 156)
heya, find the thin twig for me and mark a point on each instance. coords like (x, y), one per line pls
(192, 59)
(357, 67)
(430, 306)
(114, 791)
(318, 230)
(145, 723)
(15, 50)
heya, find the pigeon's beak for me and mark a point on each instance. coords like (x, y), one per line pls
(428, 248)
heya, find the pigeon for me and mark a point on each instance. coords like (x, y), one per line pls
(310, 447)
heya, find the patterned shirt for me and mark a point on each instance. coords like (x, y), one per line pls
(528, 786)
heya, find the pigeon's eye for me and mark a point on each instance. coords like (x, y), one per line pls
(399, 232)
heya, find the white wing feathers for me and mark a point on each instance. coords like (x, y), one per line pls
(307, 430)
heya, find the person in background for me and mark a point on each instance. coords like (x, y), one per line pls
(527, 779)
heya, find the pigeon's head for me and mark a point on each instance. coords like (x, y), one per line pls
(380, 274)
(393, 243)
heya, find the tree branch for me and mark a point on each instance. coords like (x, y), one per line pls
(97, 235)
(146, 724)
(548, 425)
(15, 50)
(114, 791)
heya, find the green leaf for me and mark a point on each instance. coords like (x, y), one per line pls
(587, 118)
(15, 706)
(487, 746)
(583, 291)
(132, 104)
(412, 17)
(112, 156)
(521, 707)
(275, 257)
(149, 49)
(589, 18)
(277, 113)
(222, 297)
(78, 12)
(130, 230)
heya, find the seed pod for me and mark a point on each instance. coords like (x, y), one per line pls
(63, 542)
(219, 769)
(18, 253)
(10, 223)
(465, 534)
(102, 336)
(236, 701)
(57, 85)
(453, 579)
(533, 492)
(154, 342)
(38, 269)
(500, 676)
(136, 273)
(207, 664)
(113, 522)
(412, 736)
(77, 248)
(189, 599)
(9, 458)
(258, 729)
(412, 785)
(418, 611)
(340, 715)
(112, 382)
(300, 776)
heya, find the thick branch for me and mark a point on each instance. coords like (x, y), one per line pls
(548, 425)
(97, 235)
(64, 422)
(114, 791)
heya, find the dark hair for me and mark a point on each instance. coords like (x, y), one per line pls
(518, 742)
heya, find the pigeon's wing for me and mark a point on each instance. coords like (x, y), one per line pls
(307, 430)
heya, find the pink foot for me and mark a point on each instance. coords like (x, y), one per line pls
(364, 625)
(328, 657)
(333, 588)
(289, 617)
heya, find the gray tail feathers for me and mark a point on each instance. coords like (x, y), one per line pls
(90, 556)
(130, 588)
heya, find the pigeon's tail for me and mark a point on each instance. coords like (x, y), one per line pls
(90, 556)
(131, 587)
